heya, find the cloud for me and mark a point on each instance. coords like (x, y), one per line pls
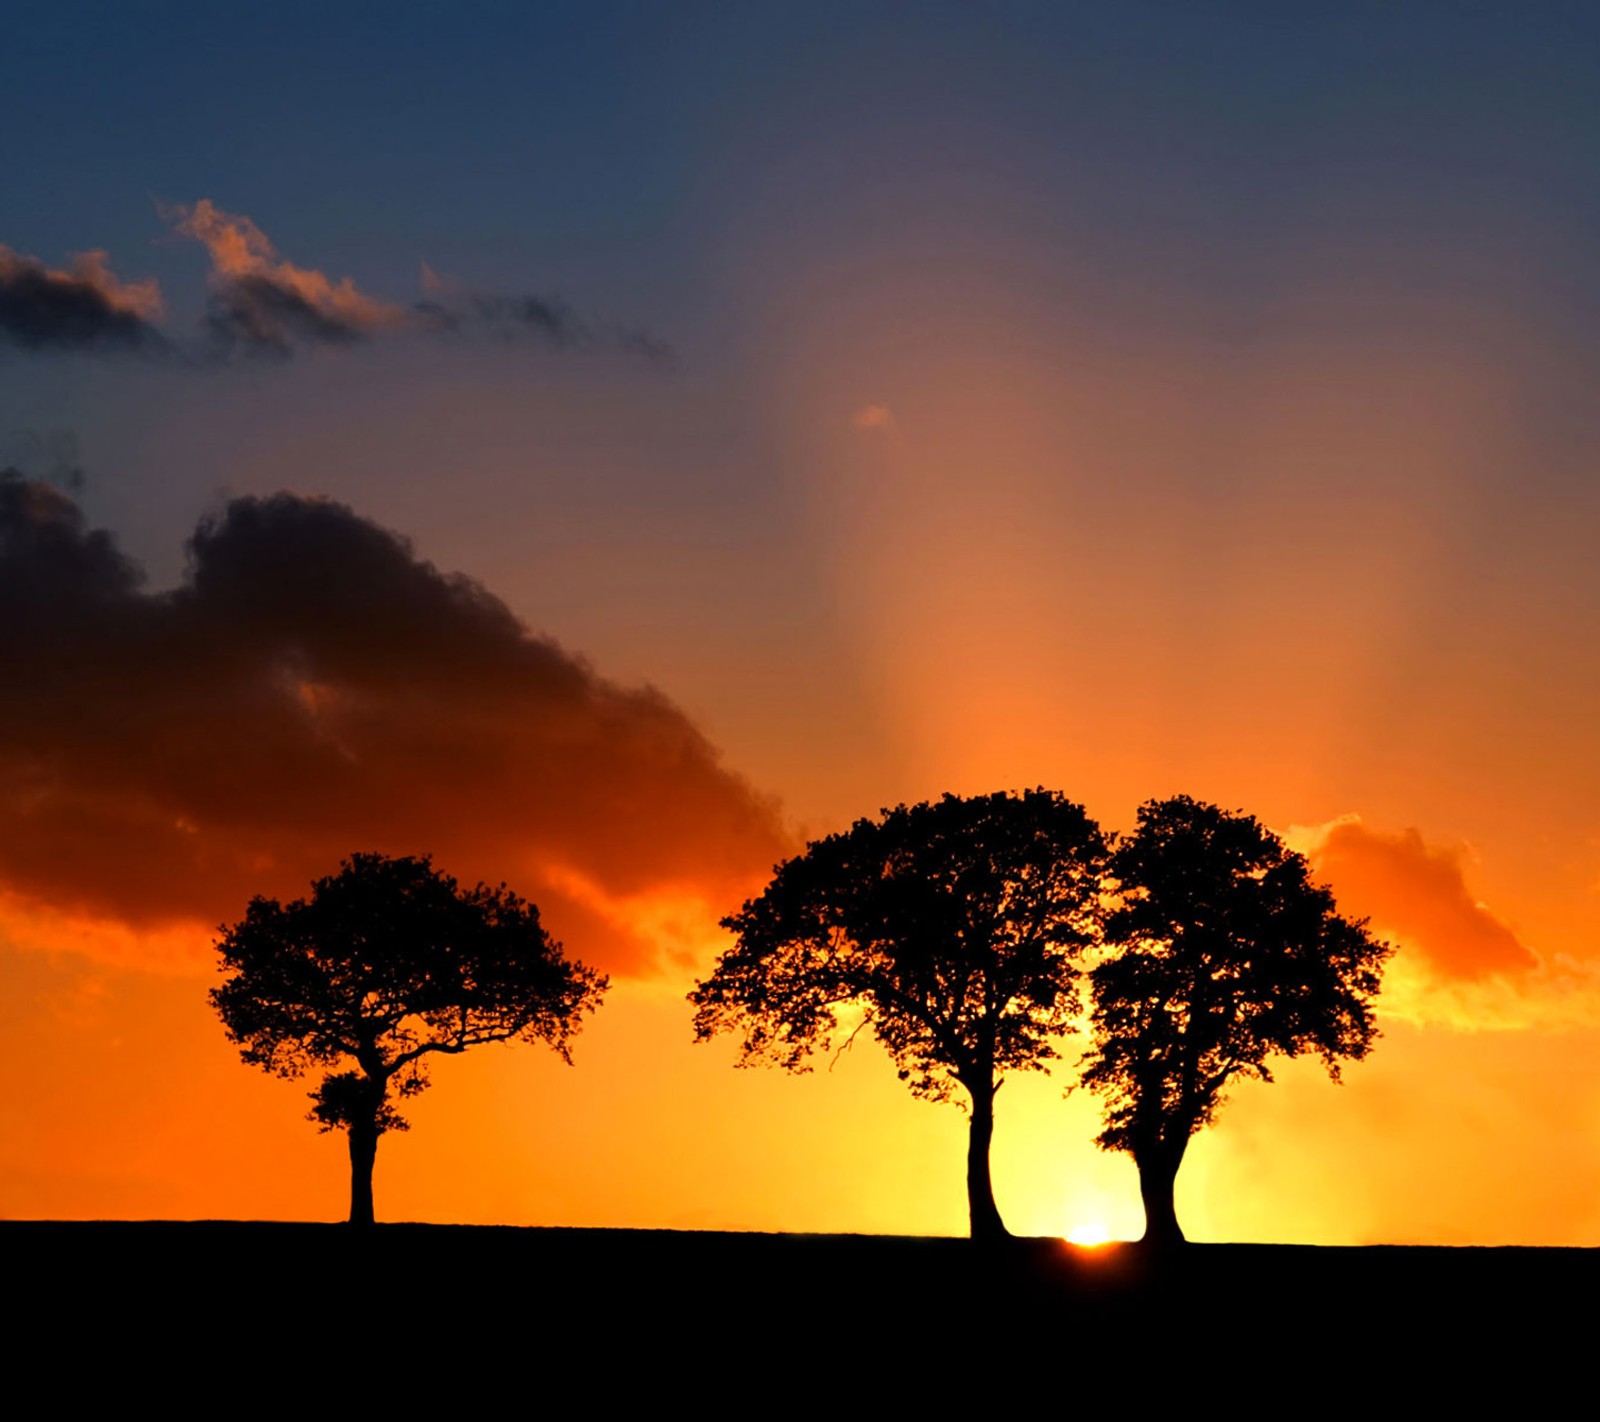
(1459, 964)
(313, 688)
(1417, 892)
(265, 305)
(262, 303)
(450, 309)
(873, 417)
(505, 317)
(84, 308)
(1561, 995)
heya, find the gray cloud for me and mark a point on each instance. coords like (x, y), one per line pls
(262, 305)
(83, 308)
(314, 688)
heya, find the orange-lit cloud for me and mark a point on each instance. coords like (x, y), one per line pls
(1417, 892)
(313, 689)
(263, 302)
(84, 307)
(873, 417)
(1459, 963)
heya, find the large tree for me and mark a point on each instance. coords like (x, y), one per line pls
(952, 927)
(1230, 955)
(388, 963)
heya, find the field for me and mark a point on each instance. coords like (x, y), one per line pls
(782, 1323)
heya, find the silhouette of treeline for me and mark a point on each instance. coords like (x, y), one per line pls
(962, 931)
(970, 936)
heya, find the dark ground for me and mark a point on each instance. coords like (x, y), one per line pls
(588, 1321)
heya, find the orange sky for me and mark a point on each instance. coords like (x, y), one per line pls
(1023, 593)
(602, 451)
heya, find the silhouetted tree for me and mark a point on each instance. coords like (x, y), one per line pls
(951, 926)
(1230, 954)
(387, 963)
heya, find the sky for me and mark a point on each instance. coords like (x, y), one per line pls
(606, 446)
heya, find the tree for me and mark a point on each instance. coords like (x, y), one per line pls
(1230, 954)
(386, 964)
(952, 927)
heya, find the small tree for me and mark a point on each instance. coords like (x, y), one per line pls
(951, 926)
(386, 964)
(1230, 954)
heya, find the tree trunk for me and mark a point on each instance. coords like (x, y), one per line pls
(984, 1217)
(363, 1154)
(1158, 1173)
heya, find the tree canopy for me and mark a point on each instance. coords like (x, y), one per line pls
(953, 928)
(1230, 955)
(388, 963)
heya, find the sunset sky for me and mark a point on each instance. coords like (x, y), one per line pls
(604, 446)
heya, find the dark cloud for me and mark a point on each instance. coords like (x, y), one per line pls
(314, 688)
(258, 315)
(261, 304)
(84, 308)
(542, 319)
(507, 317)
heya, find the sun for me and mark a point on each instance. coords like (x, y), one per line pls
(1089, 1234)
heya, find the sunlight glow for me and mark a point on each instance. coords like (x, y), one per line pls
(1089, 1235)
